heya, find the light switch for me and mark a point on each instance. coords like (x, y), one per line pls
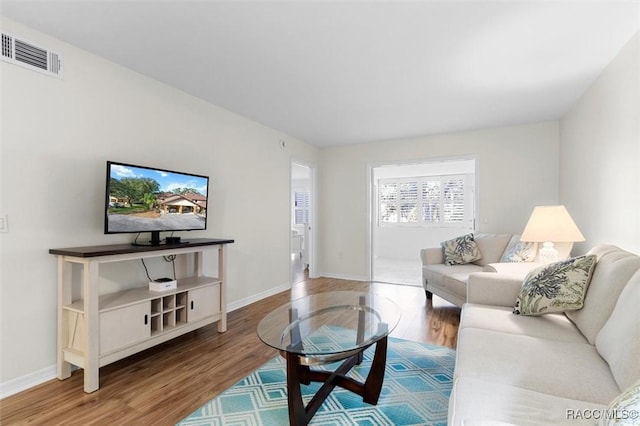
(4, 223)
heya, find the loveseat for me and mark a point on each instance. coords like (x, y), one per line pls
(574, 367)
(503, 253)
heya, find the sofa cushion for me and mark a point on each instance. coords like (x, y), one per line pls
(558, 287)
(512, 268)
(612, 272)
(500, 319)
(519, 251)
(619, 339)
(434, 274)
(457, 283)
(460, 250)
(491, 247)
(484, 402)
(487, 288)
(565, 369)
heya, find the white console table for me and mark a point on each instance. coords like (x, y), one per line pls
(94, 331)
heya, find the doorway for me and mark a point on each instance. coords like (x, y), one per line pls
(415, 206)
(302, 217)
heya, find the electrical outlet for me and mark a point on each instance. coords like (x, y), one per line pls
(4, 223)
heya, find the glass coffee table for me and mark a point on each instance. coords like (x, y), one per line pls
(324, 328)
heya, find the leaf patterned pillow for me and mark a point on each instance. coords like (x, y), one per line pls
(557, 287)
(461, 250)
(519, 251)
(625, 408)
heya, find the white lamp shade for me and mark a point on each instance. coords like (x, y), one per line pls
(551, 223)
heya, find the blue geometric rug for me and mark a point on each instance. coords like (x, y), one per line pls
(416, 389)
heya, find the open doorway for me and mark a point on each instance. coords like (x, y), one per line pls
(302, 207)
(415, 206)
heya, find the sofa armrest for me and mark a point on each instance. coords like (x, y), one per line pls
(432, 256)
(512, 268)
(489, 288)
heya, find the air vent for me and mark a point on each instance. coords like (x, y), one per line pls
(7, 46)
(31, 56)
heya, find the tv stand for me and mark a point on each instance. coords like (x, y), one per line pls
(155, 238)
(95, 330)
(154, 241)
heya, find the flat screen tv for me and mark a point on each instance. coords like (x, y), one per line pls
(147, 199)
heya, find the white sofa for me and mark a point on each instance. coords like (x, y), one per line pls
(450, 281)
(561, 368)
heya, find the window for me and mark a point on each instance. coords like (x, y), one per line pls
(388, 202)
(425, 200)
(301, 209)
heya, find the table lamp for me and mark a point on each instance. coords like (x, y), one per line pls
(548, 224)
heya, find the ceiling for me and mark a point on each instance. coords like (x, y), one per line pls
(335, 72)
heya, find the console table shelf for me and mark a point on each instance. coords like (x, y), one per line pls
(94, 331)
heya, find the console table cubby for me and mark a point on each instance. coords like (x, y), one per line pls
(94, 331)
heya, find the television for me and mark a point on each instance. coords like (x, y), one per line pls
(148, 199)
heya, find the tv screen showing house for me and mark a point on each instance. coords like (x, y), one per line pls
(142, 199)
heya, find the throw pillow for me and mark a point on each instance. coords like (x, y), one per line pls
(519, 251)
(557, 287)
(460, 250)
(625, 409)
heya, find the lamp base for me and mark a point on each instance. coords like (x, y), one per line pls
(548, 253)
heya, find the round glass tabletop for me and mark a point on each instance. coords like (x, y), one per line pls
(329, 323)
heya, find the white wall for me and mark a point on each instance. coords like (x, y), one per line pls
(517, 169)
(600, 155)
(56, 138)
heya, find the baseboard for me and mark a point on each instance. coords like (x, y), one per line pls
(256, 297)
(27, 381)
(36, 378)
(344, 277)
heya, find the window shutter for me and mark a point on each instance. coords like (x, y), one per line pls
(408, 194)
(302, 203)
(431, 191)
(426, 200)
(388, 202)
(453, 204)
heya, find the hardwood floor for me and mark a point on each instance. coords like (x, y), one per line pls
(164, 384)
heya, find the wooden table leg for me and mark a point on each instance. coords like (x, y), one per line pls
(373, 384)
(297, 414)
(297, 374)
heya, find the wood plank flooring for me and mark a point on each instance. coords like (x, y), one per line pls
(164, 384)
